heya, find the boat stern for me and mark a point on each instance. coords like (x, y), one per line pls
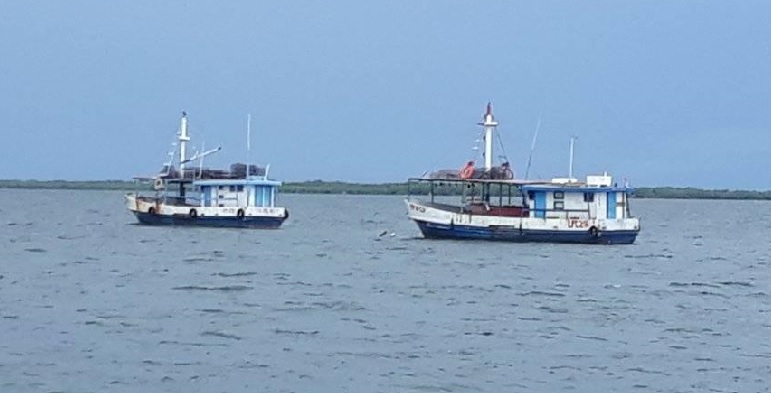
(138, 204)
(131, 202)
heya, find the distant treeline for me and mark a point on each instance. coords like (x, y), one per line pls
(698, 193)
(73, 185)
(337, 187)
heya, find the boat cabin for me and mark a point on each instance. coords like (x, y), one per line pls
(569, 199)
(250, 192)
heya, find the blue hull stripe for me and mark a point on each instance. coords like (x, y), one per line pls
(463, 232)
(222, 222)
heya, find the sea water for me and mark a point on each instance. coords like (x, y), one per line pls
(347, 296)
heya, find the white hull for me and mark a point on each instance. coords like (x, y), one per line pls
(154, 211)
(436, 220)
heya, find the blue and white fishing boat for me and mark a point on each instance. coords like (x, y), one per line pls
(242, 197)
(494, 205)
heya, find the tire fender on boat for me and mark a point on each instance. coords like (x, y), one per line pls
(240, 213)
(594, 232)
(151, 210)
(193, 213)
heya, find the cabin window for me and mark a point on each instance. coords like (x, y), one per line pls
(240, 188)
(588, 197)
(221, 188)
(559, 205)
(232, 188)
(559, 195)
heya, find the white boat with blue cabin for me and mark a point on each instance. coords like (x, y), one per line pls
(494, 205)
(241, 197)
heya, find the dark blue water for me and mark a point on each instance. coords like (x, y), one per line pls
(91, 302)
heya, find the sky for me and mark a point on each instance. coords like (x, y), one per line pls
(659, 92)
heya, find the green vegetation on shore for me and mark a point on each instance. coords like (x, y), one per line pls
(337, 187)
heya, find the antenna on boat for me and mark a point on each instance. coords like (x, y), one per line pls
(201, 155)
(200, 161)
(532, 148)
(570, 169)
(167, 164)
(248, 141)
(248, 132)
(183, 139)
(489, 125)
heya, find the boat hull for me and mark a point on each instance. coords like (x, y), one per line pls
(438, 221)
(151, 211)
(466, 232)
(214, 221)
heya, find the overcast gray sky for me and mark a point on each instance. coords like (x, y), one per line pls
(661, 92)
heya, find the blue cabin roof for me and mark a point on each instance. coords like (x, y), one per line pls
(566, 188)
(250, 181)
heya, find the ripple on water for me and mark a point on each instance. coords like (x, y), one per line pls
(237, 274)
(339, 305)
(296, 332)
(225, 288)
(220, 334)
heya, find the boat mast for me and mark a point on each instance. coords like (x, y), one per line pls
(183, 139)
(570, 168)
(248, 142)
(489, 125)
(532, 148)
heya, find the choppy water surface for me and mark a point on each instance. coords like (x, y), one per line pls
(91, 302)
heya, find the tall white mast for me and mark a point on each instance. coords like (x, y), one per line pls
(570, 168)
(489, 125)
(248, 143)
(183, 139)
(248, 132)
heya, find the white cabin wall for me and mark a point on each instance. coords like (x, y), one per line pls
(575, 201)
(570, 201)
(228, 198)
(602, 204)
(621, 205)
(550, 205)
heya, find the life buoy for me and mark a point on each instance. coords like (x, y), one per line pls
(240, 213)
(193, 213)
